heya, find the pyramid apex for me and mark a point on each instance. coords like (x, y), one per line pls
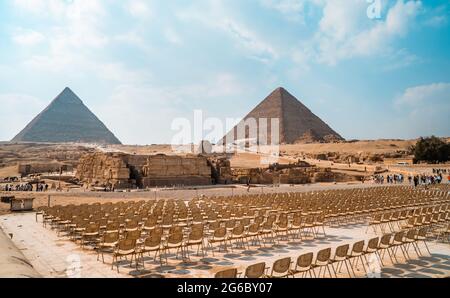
(281, 91)
(68, 90)
(68, 96)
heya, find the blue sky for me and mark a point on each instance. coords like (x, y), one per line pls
(140, 64)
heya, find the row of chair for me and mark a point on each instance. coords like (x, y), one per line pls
(327, 264)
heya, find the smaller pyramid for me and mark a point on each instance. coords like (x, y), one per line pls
(66, 120)
(297, 124)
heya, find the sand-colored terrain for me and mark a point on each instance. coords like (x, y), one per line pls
(373, 147)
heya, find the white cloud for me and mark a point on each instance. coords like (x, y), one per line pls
(345, 31)
(25, 37)
(292, 9)
(172, 36)
(423, 110)
(216, 16)
(401, 59)
(17, 110)
(437, 21)
(437, 17)
(127, 112)
(425, 95)
(138, 8)
(76, 34)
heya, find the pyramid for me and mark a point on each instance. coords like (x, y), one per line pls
(65, 120)
(297, 123)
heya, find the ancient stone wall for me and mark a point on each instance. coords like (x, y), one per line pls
(104, 169)
(163, 170)
(125, 171)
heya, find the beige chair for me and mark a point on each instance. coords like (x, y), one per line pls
(229, 273)
(91, 234)
(195, 238)
(281, 268)
(422, 236)
(304, 266)
(220, 237)
(384, 246)
(253, 234)
(281, 227)
(323, 260)
(410, 239)
(237, 235)
(296, 227)
(308, 226)
(372, 248)
(174, 241)
(108, 242)
(134, 234)
(256, 271)
(267, 231)
(125, 248)
(150, 223)
(398, 242)
(131, 226)
(356, 255)
(112, 227)
(341, 257)
(151, 244)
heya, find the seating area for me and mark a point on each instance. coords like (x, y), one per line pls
(327, 264)
(140, 234)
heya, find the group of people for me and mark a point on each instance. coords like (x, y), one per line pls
(436, 178)
(426, 179)
(394, 179)
(440, 171)
(40, 187)
(390, 179)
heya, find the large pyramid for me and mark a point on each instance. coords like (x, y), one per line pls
(297, 123)
(65, 120)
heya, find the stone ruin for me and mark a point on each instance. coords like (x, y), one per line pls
(295, 173)
(126, 171)
(120, 171)
(39, 168)
(162, 170)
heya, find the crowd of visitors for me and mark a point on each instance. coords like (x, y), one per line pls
(390, 179)
(426, 179)
(436, 178)
(440, 171)
(26, 187)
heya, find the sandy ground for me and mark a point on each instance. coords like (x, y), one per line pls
(54, 256)
(375, 146)
(10, 171)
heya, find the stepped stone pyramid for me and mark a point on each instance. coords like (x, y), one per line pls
(65, 120)
(297, 123)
